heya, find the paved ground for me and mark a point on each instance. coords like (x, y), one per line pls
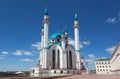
(92, 77)
(76, 77)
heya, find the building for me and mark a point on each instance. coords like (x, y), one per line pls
(115, 60)
(103, 66)
(57, 56)
(109, 66)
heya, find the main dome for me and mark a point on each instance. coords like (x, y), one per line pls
(55, 35)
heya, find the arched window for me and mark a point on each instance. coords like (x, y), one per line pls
(53, 59)
(69, 60)
(58, 58)
(70, 56)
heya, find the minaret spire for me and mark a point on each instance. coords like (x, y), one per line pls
(76, 16)
(46, 11)
(77, 46)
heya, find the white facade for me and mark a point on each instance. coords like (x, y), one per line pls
(111, 66)
(57, 56)
(103, 66)
(115, 60)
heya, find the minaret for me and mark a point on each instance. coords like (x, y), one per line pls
(77, 46)
(45, 39)
(64, 36)
(42, 37)
(46, 26)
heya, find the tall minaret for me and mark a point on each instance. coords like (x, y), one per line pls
(46, 26)
(42, 37)
(77, 46)
(45, 39)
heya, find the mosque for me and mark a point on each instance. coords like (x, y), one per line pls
(57, 56)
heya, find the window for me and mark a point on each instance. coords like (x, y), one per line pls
(98, 69)
(69, 60)
(54, 71)
(97, 66)
(58, 40)
(68, 72)
(106, 66)
(103, 69)
(109, 66)
(53, 58)
(106, 69)
(58, 58)
(103, 66)
(100, 66)
(61, 72)
(33, 71)
(102, 62)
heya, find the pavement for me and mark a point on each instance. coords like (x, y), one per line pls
(72, 77)
(91, 77)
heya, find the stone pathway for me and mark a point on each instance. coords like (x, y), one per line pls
(73, 77)
(91, 77)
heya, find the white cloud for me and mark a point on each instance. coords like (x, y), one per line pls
(87, 43)
(28, 53)
(4, 53)
(71, 41)
(36, 45)
(27, 60)
(110, 49)
(91, 56)
(18, 52)
(111, 20)
(22, 52)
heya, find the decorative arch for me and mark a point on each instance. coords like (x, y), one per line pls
(55, 53)
(71, 57)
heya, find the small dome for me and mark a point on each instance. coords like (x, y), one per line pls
(55, 35)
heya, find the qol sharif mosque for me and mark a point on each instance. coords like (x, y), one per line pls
(57, 56)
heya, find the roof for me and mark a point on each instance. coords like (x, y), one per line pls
(55, 35)
(19, 72)
(103, 59)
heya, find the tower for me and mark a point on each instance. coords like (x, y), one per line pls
(46, 27)
(64, 38)
(77, 46)
(45, 39)
(42, 37)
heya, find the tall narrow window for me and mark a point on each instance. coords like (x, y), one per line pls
(70, 57)
(53, 59)
(58, 58)
(69, 60)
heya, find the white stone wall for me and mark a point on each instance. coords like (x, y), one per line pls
(103, 67)
(115, 60)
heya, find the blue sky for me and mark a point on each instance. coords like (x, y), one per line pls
(21, 21)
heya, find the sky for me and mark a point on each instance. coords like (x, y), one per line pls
(21, 23)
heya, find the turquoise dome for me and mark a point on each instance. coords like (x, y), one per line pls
(55, 35)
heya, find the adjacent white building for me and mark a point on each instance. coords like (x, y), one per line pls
(103, 66)
(115, 60)
(57, 56)
(109, 66)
